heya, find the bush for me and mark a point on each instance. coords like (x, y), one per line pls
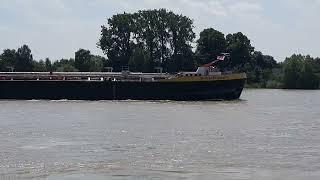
(273, 84)
(298, 74)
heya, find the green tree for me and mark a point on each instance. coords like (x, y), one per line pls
(299, 74)
(48, 65)
(240, 49)
(210, 44)
(162, 31)
(8, 59)
(24, 59)
(67, 68)
(82, 60)
(39, 66)
(147, 33)
(316, 65)
(182, 35)
(308, 79)
(138, 61)
(96, 63)
(116, 40)
(153, 35)
(64, 65)
(2, 67)
(161, 34)
(260, 68)
(181, 62)
(268, 62)
(292, 71)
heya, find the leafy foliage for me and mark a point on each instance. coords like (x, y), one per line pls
(210, 44)
(48, 65)
(65, 65)
(139, 60)
(299, 74)
(240, 49)
(24, 59)
(39, 66)
(82, 60)
(8, 59)
(162, 36)
(148, 39)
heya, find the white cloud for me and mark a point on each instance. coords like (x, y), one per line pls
(245, 7)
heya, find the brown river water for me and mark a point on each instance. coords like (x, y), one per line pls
(268, 134)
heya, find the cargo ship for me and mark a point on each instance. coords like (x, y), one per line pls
(207, 83)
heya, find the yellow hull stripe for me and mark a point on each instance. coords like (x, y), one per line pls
(225, 77)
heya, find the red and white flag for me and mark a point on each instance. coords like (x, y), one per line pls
(221, 58)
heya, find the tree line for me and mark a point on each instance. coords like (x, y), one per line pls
(148, 39)
(21, 60)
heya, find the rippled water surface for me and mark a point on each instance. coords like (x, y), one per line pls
(269, 134)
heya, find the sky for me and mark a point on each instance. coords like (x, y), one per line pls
(58, 28)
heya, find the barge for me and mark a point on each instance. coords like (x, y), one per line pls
(205, 84)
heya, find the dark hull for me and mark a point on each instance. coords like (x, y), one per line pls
(107, 90)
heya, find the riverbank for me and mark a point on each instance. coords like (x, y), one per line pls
(268, 85)
(274, 85)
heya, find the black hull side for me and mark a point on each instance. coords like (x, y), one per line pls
(107, 90)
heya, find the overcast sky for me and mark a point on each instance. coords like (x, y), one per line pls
(57, 28)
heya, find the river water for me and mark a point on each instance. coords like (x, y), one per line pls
(268, 134)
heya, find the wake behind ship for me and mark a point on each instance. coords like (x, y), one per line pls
(205, 84)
